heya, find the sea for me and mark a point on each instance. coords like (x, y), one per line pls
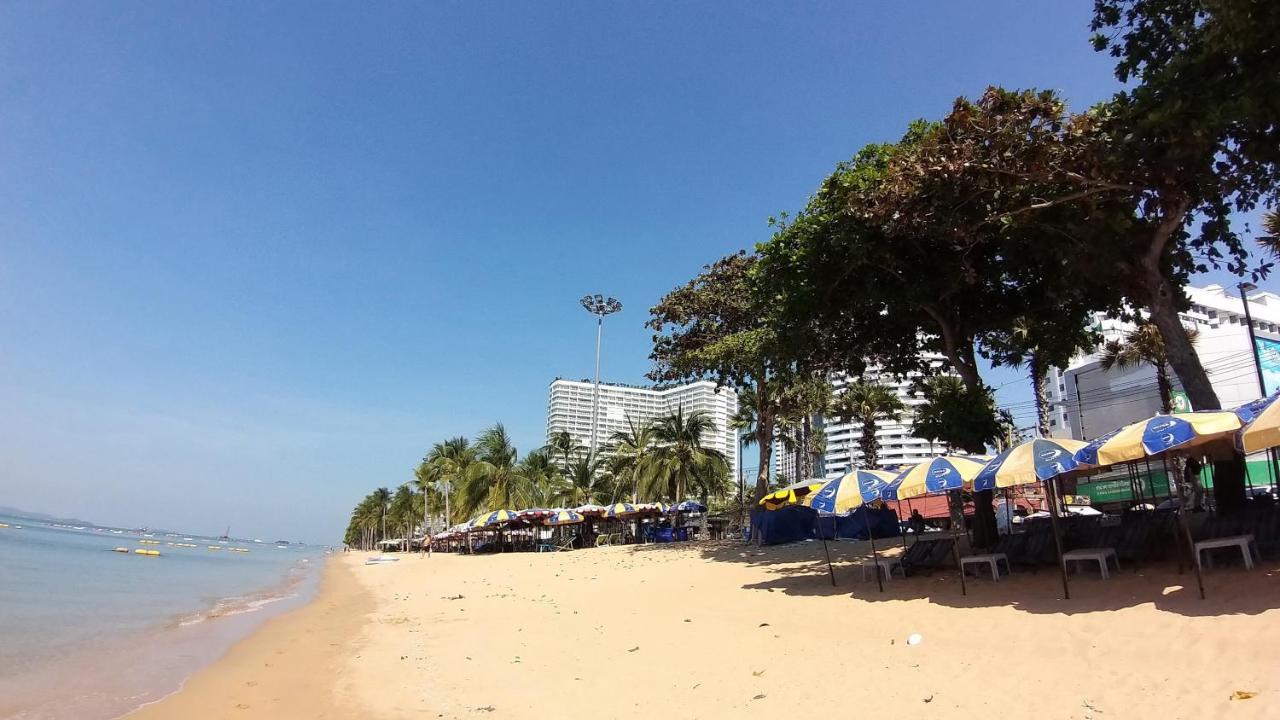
(90, 633)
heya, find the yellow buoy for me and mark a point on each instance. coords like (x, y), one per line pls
(215, 547)
(140, 551)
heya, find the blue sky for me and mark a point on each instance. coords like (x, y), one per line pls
(256, 258)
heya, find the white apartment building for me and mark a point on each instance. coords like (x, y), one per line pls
(1088, 401)
(570, 402)
(897, 445)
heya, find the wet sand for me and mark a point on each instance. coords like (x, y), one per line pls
(728, 630)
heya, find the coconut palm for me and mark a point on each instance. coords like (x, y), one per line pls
(629, 451)
(382, 498)
(1271, 226)
(1144, 344)
(865, 402)
(428, 478)
(587, 482)
(680, 461)
(561, 446)
(453, 458)
(544, 481)
(493, 482)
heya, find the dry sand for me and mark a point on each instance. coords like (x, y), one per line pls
(727, 630)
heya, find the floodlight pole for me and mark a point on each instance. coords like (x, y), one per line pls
(599, 306)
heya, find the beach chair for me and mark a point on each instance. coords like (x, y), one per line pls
(927, 555)
(604, 540)
(1037, 548)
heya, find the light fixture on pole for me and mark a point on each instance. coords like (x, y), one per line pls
(599, 306)
(1245, 288)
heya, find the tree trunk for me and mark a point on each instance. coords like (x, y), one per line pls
(805, 455)
(1161, 303)
(869, 444)
(1165, 386)
(1037, 373)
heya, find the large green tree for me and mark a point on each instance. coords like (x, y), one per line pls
(454, 459)
(629, 451)
(682, 462)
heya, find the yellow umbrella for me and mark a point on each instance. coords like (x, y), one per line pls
(790, 495)
(946, 472)
(1263, 428)
(1156, 435)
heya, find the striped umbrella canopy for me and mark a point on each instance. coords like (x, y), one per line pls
(619, 510)
(790, 495)
(1029, 463)
(688, 506)
(946, 472)
(1262, 424)
(534, 514)
(590, 509)
(562, 517)
(497, 517)
(1156, 435)
(849, 492)
(653, 507)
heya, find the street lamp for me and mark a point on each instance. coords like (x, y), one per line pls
(599, 306)
(1245, 288)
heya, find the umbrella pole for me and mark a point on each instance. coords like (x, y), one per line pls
(955, 555)
(825, 549)
(875, 558)
(1186, 530)
(901, 532)
(1052, 490)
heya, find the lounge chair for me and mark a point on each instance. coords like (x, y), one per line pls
(927, 555)
(1037, 548)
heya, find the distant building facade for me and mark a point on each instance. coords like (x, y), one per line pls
(569, 407)
(1088, 401)
(898, 446)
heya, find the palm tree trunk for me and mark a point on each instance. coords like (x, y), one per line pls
(1037, 373)
(1165, 386)
(805, 429)
(870, 446)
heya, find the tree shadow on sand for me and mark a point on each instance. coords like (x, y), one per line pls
(801, 569)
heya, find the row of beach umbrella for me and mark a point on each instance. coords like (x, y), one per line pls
(555, 517)
(1252, 427)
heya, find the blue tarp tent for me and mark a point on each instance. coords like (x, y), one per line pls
(884, 523)
(788, 524)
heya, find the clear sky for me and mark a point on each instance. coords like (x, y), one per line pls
(256, 257)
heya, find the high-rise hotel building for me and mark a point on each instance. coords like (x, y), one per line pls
(569, 409)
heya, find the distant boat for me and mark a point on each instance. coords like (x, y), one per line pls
(282, 542)
(226, 536)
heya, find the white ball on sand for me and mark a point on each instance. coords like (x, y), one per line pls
(915, 639)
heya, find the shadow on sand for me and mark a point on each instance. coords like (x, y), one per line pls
(801, 569)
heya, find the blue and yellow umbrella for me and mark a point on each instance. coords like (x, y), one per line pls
(563, 517)
(1156, 435)
(617, 510)
(849, 492)
(790, 495)
(1262, 424)
(946, 472)
(497, 517)
(1031, 462)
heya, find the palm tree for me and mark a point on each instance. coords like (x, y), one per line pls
(381, 498)
(453, 458)
(1144, 344)
(586, 482)
(494, 481)
(865, 402)
(401, 510)
(427, 477)
(630, 450)
(1271, 226)
(561, 446)
(545, 481)
(680, 461)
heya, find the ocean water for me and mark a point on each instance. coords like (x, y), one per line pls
(86, 632)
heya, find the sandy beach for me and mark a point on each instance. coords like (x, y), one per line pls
(727, 630)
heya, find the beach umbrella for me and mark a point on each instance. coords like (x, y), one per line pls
(688, 506)
(562, 517)
(849, 492)
(1033, 461)
(618, 510)
(590, 509)
(936, 475)
(658, 507)
(1037, 460)
(497, 517)
(790, 495)
(1262, 424)
(534, 514)
(939, 474)
(1156, 435)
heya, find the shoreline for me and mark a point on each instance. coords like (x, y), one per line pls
(725, 629)
(287, 667)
